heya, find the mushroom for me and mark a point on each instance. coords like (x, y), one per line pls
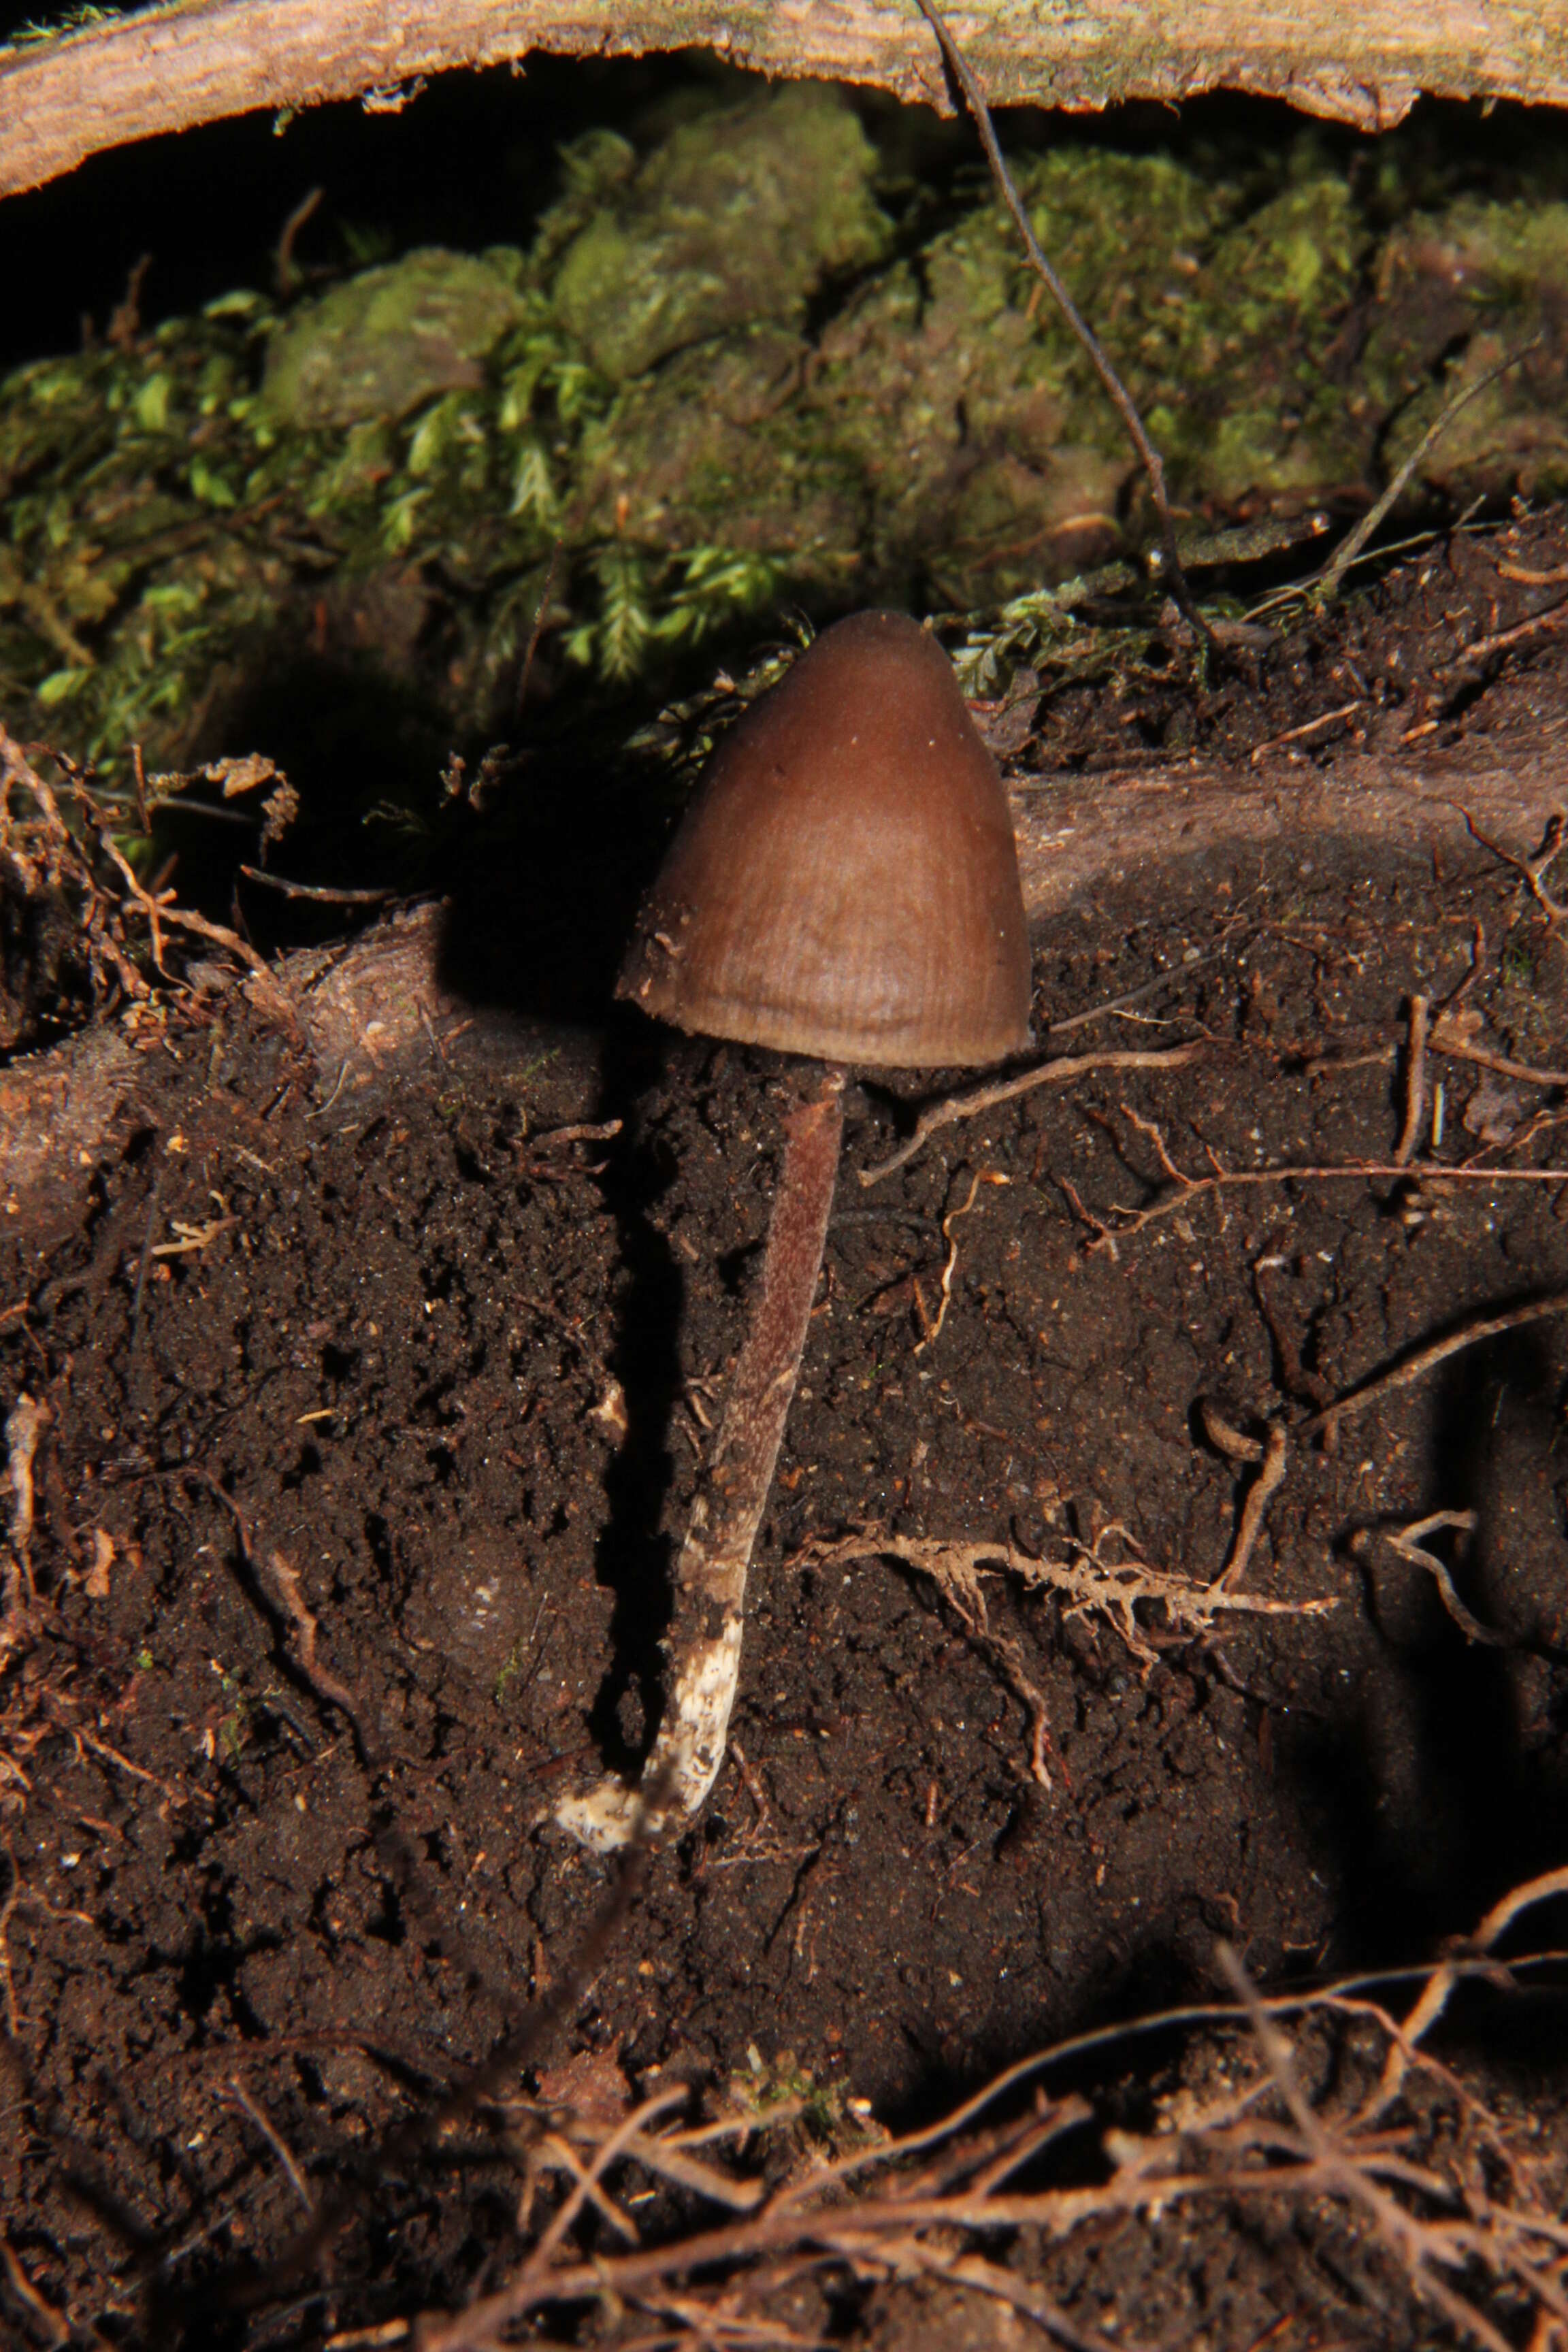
(844, 886)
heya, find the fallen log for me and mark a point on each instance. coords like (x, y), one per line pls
(378, 1015)
(169, 68)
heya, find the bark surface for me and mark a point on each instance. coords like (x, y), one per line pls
(173, 68)
(367, 1014)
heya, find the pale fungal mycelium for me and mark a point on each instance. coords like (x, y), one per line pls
(844, 886)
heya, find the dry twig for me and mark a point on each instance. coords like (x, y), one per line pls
(1439, 1987)
(1408, 1369)
(1534, 869)
(45, 853)
(1409, 1542)
(237, 2095)
(278, 1585)
(1445, 1037)
(56, 2329)
(1455, 2212)
(1122, 1223)
(1326, 583)
(1310, 726)
(1418, 2246)
(667, 2153)
(933, 1331)
(1132, 996)
(1121, 398)
(319, 893)
(173, 1792)
(953, 1107)
(475, 2089)
(1414, 1081)
(285, 271)
(1503, 640)
(1273, 1458)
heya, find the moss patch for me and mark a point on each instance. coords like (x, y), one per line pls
(385, 343)
(735, 217)
(743, 367)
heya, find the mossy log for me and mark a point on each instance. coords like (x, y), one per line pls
(168, 68)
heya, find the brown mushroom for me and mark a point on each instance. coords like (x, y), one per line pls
(845, 887)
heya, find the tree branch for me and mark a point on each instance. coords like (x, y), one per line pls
(169, 68)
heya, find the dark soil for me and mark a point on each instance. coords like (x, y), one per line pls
(455, 1369)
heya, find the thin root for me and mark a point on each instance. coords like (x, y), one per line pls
(1411, 1367)
(953, 1107)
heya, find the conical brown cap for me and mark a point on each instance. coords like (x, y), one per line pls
(845, 883)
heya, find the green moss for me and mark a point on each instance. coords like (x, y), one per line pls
(1263, 419)
(735, 217)
(387, 339)
(640, 410)
(1476, 282)
(714, 446)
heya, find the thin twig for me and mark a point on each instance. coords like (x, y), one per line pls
(317, 891)
(1409, 1543)
(278, 1584)
(1415, 1082)
(400, 2145)
(159, 910)
(554, 2147)
(1553, 578)
(1441, 1039)
(1409, 1369)
(1411, 2243)
(138, 785)
(1121, 398)
(1021, 2295)
(1192, 1188)
(982, 1176)
(1233, 2146)
(1270, 1477)
(538, 2263)
(1534, 869)
(1133, 996)
(665, 2156)
(1498, 1919)
(125, 319)
(285, 276)
(953, 1107)
(1502, 640)
(1310, 726)
(57, 2330)
(240, 2097)
(1326, 583)
(78, 1733)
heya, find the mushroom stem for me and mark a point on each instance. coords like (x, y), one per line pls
(703, 1645)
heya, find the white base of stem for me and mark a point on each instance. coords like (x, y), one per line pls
(685, 1760)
